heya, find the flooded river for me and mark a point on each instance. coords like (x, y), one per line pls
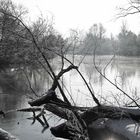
(123, 71)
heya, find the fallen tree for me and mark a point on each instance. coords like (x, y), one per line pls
(81, 123)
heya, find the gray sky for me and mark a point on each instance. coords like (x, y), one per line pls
(81, 14)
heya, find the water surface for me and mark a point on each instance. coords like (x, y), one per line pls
(123, 71)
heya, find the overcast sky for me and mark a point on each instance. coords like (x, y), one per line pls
(81, 14)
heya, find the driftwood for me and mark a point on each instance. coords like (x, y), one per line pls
(104, 113)
(87, 115)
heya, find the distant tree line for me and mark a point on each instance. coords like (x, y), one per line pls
(126, 43)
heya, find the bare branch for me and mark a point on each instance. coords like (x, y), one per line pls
(112, 82)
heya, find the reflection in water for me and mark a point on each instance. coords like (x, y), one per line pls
(16, 122)
(123, 71)
(14, 92)
(17, 81)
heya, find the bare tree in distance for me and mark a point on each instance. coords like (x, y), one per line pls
(131, 8)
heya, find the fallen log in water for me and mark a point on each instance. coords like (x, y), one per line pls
(94, 132)
(103, 129)
(80, 124)
(104, 115)
(104, 122)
